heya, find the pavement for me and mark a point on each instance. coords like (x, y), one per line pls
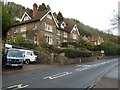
(26, 68)
(110, 80)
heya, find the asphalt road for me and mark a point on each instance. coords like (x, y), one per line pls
(70, 76)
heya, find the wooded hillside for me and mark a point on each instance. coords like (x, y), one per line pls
(16, 10)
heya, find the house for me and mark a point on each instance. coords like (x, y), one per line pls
(43, 27)
(93, 39)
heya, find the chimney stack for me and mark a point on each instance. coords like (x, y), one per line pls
(35, 11)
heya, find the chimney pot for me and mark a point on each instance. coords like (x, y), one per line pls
(35, 6)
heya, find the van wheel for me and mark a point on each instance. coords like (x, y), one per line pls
(27, 61)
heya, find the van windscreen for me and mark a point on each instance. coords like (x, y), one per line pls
(15, 53)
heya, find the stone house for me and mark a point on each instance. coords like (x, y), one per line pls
(93, 39)
(41, 27)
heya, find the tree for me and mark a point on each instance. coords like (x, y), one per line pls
(60, 16)
(6, 21)
(42, 7)
(115, 21)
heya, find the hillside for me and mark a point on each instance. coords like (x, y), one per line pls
(89, 31)
(16, 10)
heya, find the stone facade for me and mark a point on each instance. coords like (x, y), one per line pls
(42, 28)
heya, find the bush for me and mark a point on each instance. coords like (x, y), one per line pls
(22, 42)
(66, 44)
(72, 53)
(43, 50)
(55, 49)
(110, 49)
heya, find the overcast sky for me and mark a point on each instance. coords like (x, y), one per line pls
(95, 13)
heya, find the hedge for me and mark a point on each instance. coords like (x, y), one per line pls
(73, 53)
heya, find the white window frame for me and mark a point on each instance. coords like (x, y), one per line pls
(65, 40)
(65, 34)
(23, 28)
(26, 18)
(58, 32)
(74, 36)
(49, 39)
(48, 28)
(24, 35)
(49, 16)
(16, 30)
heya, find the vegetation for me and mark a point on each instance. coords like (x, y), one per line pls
(110, 46)
(13, 8)
(73, 53)
(22, 42)
(6, 21)
(60, 16)
(42, 7)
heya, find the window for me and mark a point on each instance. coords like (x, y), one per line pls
(64, 40)
(49, 16)
(24, 35)
(35, 38)
(74, 36)
(48, 27)
(58, 32)
(26, 18)
(49, 39)
(65, 34)
(23, 28)
(36, 26)
(29, 53)
(58, 41)
(8, 34)
(16, 31)
(62, 26)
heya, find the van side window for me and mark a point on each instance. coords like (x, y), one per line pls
(29, 53)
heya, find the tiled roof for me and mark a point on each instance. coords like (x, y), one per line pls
(37, 17)
(68, 28)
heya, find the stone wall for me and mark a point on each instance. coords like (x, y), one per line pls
(67, 61)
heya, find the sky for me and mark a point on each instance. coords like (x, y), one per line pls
(95, 13)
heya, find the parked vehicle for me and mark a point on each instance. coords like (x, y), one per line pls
(14, 58)
(29, 56)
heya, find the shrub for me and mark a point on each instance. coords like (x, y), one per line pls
(55, 49)
(110, 49)
(65, 44)
(44, 50)
(22, 42)
(72, 53)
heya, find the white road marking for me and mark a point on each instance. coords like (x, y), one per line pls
(57, 75)
(84, 67)
(15, 87)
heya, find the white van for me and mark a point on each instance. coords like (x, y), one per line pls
(14, 58)
(29, 56)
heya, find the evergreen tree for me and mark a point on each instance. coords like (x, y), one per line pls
(6, 21)
(42, 7)
(60, 16)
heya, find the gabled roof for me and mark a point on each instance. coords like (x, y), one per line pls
(38, 17)
(25, 15)
(76, 29)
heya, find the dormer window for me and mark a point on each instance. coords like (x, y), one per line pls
(63, 25)
(49, 16)
(26, 18)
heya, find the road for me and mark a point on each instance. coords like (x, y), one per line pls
(69, 76)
